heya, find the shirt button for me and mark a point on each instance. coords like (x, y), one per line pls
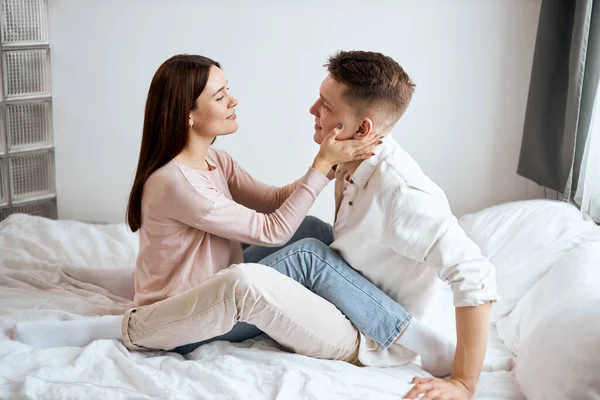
(350, 203)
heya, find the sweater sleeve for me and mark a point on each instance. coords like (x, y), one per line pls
(206, 208)
(251, 192)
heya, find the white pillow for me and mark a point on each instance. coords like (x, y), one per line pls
(555, 329)
(26, 238)
(523, 239)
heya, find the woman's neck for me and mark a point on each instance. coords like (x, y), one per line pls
(194, 153)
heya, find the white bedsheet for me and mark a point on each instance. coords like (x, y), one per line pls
(33, 287)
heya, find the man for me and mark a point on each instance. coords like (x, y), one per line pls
(394, 225)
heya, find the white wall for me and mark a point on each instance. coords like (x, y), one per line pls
(471, 61)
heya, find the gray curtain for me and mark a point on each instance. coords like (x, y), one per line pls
(564, 78)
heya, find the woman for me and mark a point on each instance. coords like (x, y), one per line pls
(194, 205)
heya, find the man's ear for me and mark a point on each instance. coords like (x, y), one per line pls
(365, 128)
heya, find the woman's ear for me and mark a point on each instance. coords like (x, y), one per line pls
(365, 128)
(190, 121)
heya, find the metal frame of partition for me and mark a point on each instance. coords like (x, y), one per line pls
(27, 176)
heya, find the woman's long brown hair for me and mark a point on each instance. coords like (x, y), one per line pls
(173, 92)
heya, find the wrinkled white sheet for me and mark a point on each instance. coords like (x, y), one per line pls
(33, 249)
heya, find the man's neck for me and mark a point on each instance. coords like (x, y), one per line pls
(351, 167)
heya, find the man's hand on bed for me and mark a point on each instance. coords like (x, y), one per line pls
(438, 389)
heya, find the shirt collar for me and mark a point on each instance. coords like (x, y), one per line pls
(367, 168)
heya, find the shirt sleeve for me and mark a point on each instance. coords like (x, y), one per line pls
(253, 193)
(421, 227)
(208, 209)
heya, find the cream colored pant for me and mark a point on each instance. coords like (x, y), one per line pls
(256, 294)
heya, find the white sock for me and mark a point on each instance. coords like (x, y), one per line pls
(437, 353)
(72, 333)
(118, 281)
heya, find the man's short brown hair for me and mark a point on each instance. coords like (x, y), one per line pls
(375, 82)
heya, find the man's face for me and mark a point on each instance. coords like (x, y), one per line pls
(331, 109)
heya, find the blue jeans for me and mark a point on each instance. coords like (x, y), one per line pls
(308, 259)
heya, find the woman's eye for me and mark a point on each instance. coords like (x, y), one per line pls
(221, 98)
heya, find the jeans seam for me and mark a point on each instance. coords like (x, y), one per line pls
(399, 328)
(399, 321)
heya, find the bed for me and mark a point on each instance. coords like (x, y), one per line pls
(34, 250)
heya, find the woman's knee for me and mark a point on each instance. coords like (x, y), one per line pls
(249, 275)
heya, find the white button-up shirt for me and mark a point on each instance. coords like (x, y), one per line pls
(395, 226)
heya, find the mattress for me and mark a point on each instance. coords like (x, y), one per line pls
(32, 286)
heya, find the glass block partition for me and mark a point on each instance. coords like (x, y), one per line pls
(27, 178)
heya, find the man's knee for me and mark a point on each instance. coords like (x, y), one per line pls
(310, 245)
(313, 255)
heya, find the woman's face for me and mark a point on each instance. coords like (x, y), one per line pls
(214, 114)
